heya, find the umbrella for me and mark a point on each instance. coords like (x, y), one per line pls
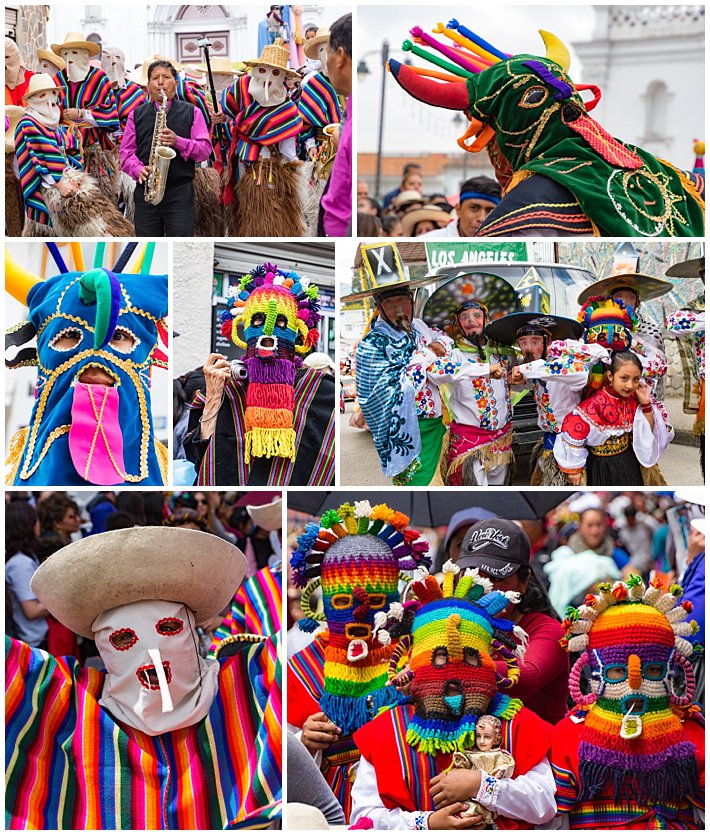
(432, 509)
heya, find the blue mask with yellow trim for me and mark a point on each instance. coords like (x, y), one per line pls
(91, 423)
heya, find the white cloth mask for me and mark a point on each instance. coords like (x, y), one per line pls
(48, 67)
(77, 61)
(322, 53)
(44, 107)
(266, 85)
(14, 72)
(113, 63)
(222, 81)
(131, 639)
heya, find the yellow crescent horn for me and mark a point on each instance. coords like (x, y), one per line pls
(18, 280)
(555, 50)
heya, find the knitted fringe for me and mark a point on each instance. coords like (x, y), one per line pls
(268, 418)
(674, 781)
(431, 736)
(270, 443)
(350, 713)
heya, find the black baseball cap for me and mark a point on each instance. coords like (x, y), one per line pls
(497, 547)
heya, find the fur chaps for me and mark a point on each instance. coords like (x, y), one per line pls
(209, 214)
(314, 188)
(125, 190)
(104, 167)
(267, 201)
(14, 207)
(32, 229)
(87, 213)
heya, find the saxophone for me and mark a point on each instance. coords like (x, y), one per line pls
(160, 157)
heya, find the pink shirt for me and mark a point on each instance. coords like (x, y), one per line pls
(337, 202)
(197, 147)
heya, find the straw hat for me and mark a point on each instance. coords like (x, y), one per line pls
(140, 76)
(47, 55)
(429, 212)
(274, 55)
(645, 286)
(40, 82)
(75, 40)
(686, 269)
(98, 573)
(266, 516)
(223, 65)
(408, 196)
(13, 114)
(311, 45)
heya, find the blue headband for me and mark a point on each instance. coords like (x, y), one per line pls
(477, 195)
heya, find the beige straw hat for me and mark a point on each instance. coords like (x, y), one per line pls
(310, 46)
(266, 516)
(75, 40)
(47, 55)
(106, 570)
(40, 82)
(274, 55)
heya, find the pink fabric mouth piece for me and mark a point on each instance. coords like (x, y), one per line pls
(95, 437)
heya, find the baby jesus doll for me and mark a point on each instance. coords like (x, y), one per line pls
(488, 756)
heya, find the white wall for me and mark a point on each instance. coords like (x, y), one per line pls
(192, 303)
(143, 30)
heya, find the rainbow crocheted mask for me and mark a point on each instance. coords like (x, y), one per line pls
(275, 308)
(450, 634)
(355, 555)
(633, 638)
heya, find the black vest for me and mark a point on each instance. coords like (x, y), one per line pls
(180, 118)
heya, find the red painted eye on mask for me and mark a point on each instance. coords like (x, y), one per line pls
(262, 71)
(123, 639)
(275, 72)
(169, 626)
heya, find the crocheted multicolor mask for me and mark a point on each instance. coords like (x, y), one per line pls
(450, 641)
(529, 115)
(610, 324)
(97, 338)
(275, 308)
(632, 637)
(355, 556)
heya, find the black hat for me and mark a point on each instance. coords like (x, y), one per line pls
(497, 547)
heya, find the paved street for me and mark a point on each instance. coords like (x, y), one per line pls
(359, 464)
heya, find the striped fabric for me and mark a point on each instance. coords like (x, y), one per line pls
(256, 608)
(194, 95)
(128, 98)
(256, 125)
(319, 105)
(69, 765)
(308, 667)
(314, 464)
(41, 152)
(94, 93)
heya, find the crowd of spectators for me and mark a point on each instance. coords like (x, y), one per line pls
(409, 211)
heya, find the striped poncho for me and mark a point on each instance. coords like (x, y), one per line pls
(256, 125)
(256, 608)
(70, 765)
(94, 93)
(128, 98)
(221, 458)
(318, 105)
(42, 155)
